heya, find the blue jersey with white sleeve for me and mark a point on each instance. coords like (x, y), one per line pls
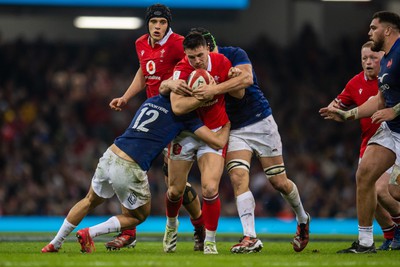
(253, 107)
(389, 82)
(153, 128)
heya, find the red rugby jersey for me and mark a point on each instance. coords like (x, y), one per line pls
(158, 63)
(212, 113)
(357, 91)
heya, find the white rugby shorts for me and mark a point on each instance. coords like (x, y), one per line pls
(387, 138)
(187, 146)
(126, 179)
(262, 138)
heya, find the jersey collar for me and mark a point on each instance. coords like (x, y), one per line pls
(165, 39)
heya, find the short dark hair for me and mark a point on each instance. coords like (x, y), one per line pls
(194, 40)
(388, 17)
(207, 35)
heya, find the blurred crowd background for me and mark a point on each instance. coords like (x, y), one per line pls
(55, 123)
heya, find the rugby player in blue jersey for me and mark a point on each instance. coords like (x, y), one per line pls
(383, 148)
(122, 170)
(253, 131)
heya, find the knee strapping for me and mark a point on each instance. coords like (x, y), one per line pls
(189, 195)
(237, 163)
(274, 170)
(165, 169)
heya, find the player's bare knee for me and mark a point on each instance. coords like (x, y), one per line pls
(238, 171)
(208, 190)
(276, 174)
(175, 193)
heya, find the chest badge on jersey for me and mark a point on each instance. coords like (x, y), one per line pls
(389, 64)
(360, 91)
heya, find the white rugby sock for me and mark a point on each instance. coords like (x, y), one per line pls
(246, 204)
(172, 222)
(110, 226)
(365, 235)
(65, 229)
(293, 198)
(210, 235)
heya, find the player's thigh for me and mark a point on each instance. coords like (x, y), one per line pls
(211, 166)
(375, 161)
(178, 172)
(130, 183)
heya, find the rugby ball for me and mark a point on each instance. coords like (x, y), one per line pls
(199, 77)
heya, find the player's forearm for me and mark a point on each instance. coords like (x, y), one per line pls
(216, 140)
(137, 85)
(363, 111)
(183, 104)
(242, 81)
(165, 88)
(396, 109)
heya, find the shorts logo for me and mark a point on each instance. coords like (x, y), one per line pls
(176, 149)
(132, 199)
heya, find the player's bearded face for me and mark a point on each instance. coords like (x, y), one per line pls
(198, 57)
(378, 44)
(376, 35)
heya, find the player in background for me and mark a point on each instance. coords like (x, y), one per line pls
(358, 90)
(383, 149)
(186, 148)
(122, 170)
(253, 131)
(158, 52)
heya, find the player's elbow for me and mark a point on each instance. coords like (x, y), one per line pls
(248, 80)
(179, 110)
(217, 144)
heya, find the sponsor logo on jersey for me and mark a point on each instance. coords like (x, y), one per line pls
(381, 77)
(210, 103)
(151, 67)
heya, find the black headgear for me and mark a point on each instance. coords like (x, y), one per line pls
(207, 35)
(158, 10)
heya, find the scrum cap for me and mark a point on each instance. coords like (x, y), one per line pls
(159, 11)
(207, 35)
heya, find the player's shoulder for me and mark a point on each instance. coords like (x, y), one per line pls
(359, 77)
(142, 39)
(176, 37)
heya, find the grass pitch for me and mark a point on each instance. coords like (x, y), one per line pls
(24, 250)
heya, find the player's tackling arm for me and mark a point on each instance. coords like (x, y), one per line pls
(235, 86)
(365, 110)
(216, 140)
(137, 85)
(184, 104)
